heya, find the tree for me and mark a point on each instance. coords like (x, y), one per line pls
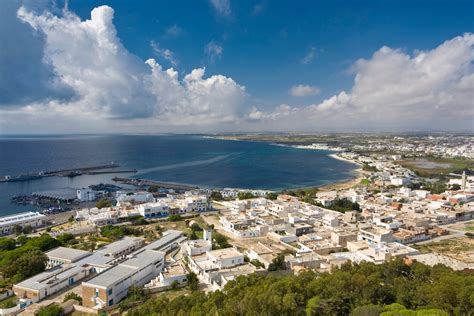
(7, 243)
(31, 263)
(278, 263)
(220, 241)
(65, 238)
(455, 187)
(272, 196)
(18, 230)
(216, 196)
(153, 188)
(103, 202)
(27, 229)
(50, 310)
(72, 296)
(193, 281)
(245, 195)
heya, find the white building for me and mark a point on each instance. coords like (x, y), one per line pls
(154, 209)
(86, 195)
(111, 286)
(8, 223)
(137, 197)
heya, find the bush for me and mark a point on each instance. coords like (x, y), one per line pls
(220, 241)
(216, 196)
(174, 218)
(72, 296)
(103, 203)
(51, 310)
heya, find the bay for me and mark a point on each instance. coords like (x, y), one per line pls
(190, 159)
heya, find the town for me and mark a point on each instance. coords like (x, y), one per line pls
(162, 240)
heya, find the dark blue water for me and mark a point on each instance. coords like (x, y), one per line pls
(183, 159)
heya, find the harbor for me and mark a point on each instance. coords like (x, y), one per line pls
(72, 172)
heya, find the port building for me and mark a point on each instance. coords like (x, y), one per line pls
(8, 223)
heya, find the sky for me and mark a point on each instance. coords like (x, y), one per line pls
(236, 66)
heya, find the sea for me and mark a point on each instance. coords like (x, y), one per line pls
(187, 159)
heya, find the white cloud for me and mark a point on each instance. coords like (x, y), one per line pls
(109, 82)
(309, 56)
(174, 31)
(213, 51)
(164, 53)
(221, 7)
(302, 90)
(396, 91)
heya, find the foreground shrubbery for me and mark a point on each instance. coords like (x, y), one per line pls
(364, 289)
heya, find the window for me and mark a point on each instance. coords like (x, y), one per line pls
(110, 292)
(111, 302)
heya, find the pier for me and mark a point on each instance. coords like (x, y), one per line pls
(72, 172)
(165, 185)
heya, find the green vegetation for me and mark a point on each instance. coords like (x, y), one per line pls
(153, 188)
(257, 263)
(344, 205)
(174, 218)
(193, 281)
(50, 310)
(9, 302)
(306, 195)
(116, 232)
(72, 296)
(26, 260)
(278, 263)
(103, 203)
(245, 195)
(272, 196)
(135, 295)
(219, 241)
(367, 167)
(436, 166)
(216, 196)
(363, 289)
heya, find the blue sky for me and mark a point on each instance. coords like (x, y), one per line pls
(264, 42)
(269, 65)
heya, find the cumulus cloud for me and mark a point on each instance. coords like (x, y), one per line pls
(24, 76)
(302, 90)
(221, 7)
(109, 82)
(395, 90)
(213, 51)
(164, 53)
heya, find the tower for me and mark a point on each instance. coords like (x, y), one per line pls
(207, 234)
(463, 181)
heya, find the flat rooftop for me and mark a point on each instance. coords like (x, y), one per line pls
(119, 245)
(17, 218)
(68, 254)
(169, 236)
(125, 269)
(65, 194)
(225, 253)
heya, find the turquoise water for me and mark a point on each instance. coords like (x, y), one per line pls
(184, 159)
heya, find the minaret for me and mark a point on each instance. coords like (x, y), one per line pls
(207, 234)
(463, 181)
